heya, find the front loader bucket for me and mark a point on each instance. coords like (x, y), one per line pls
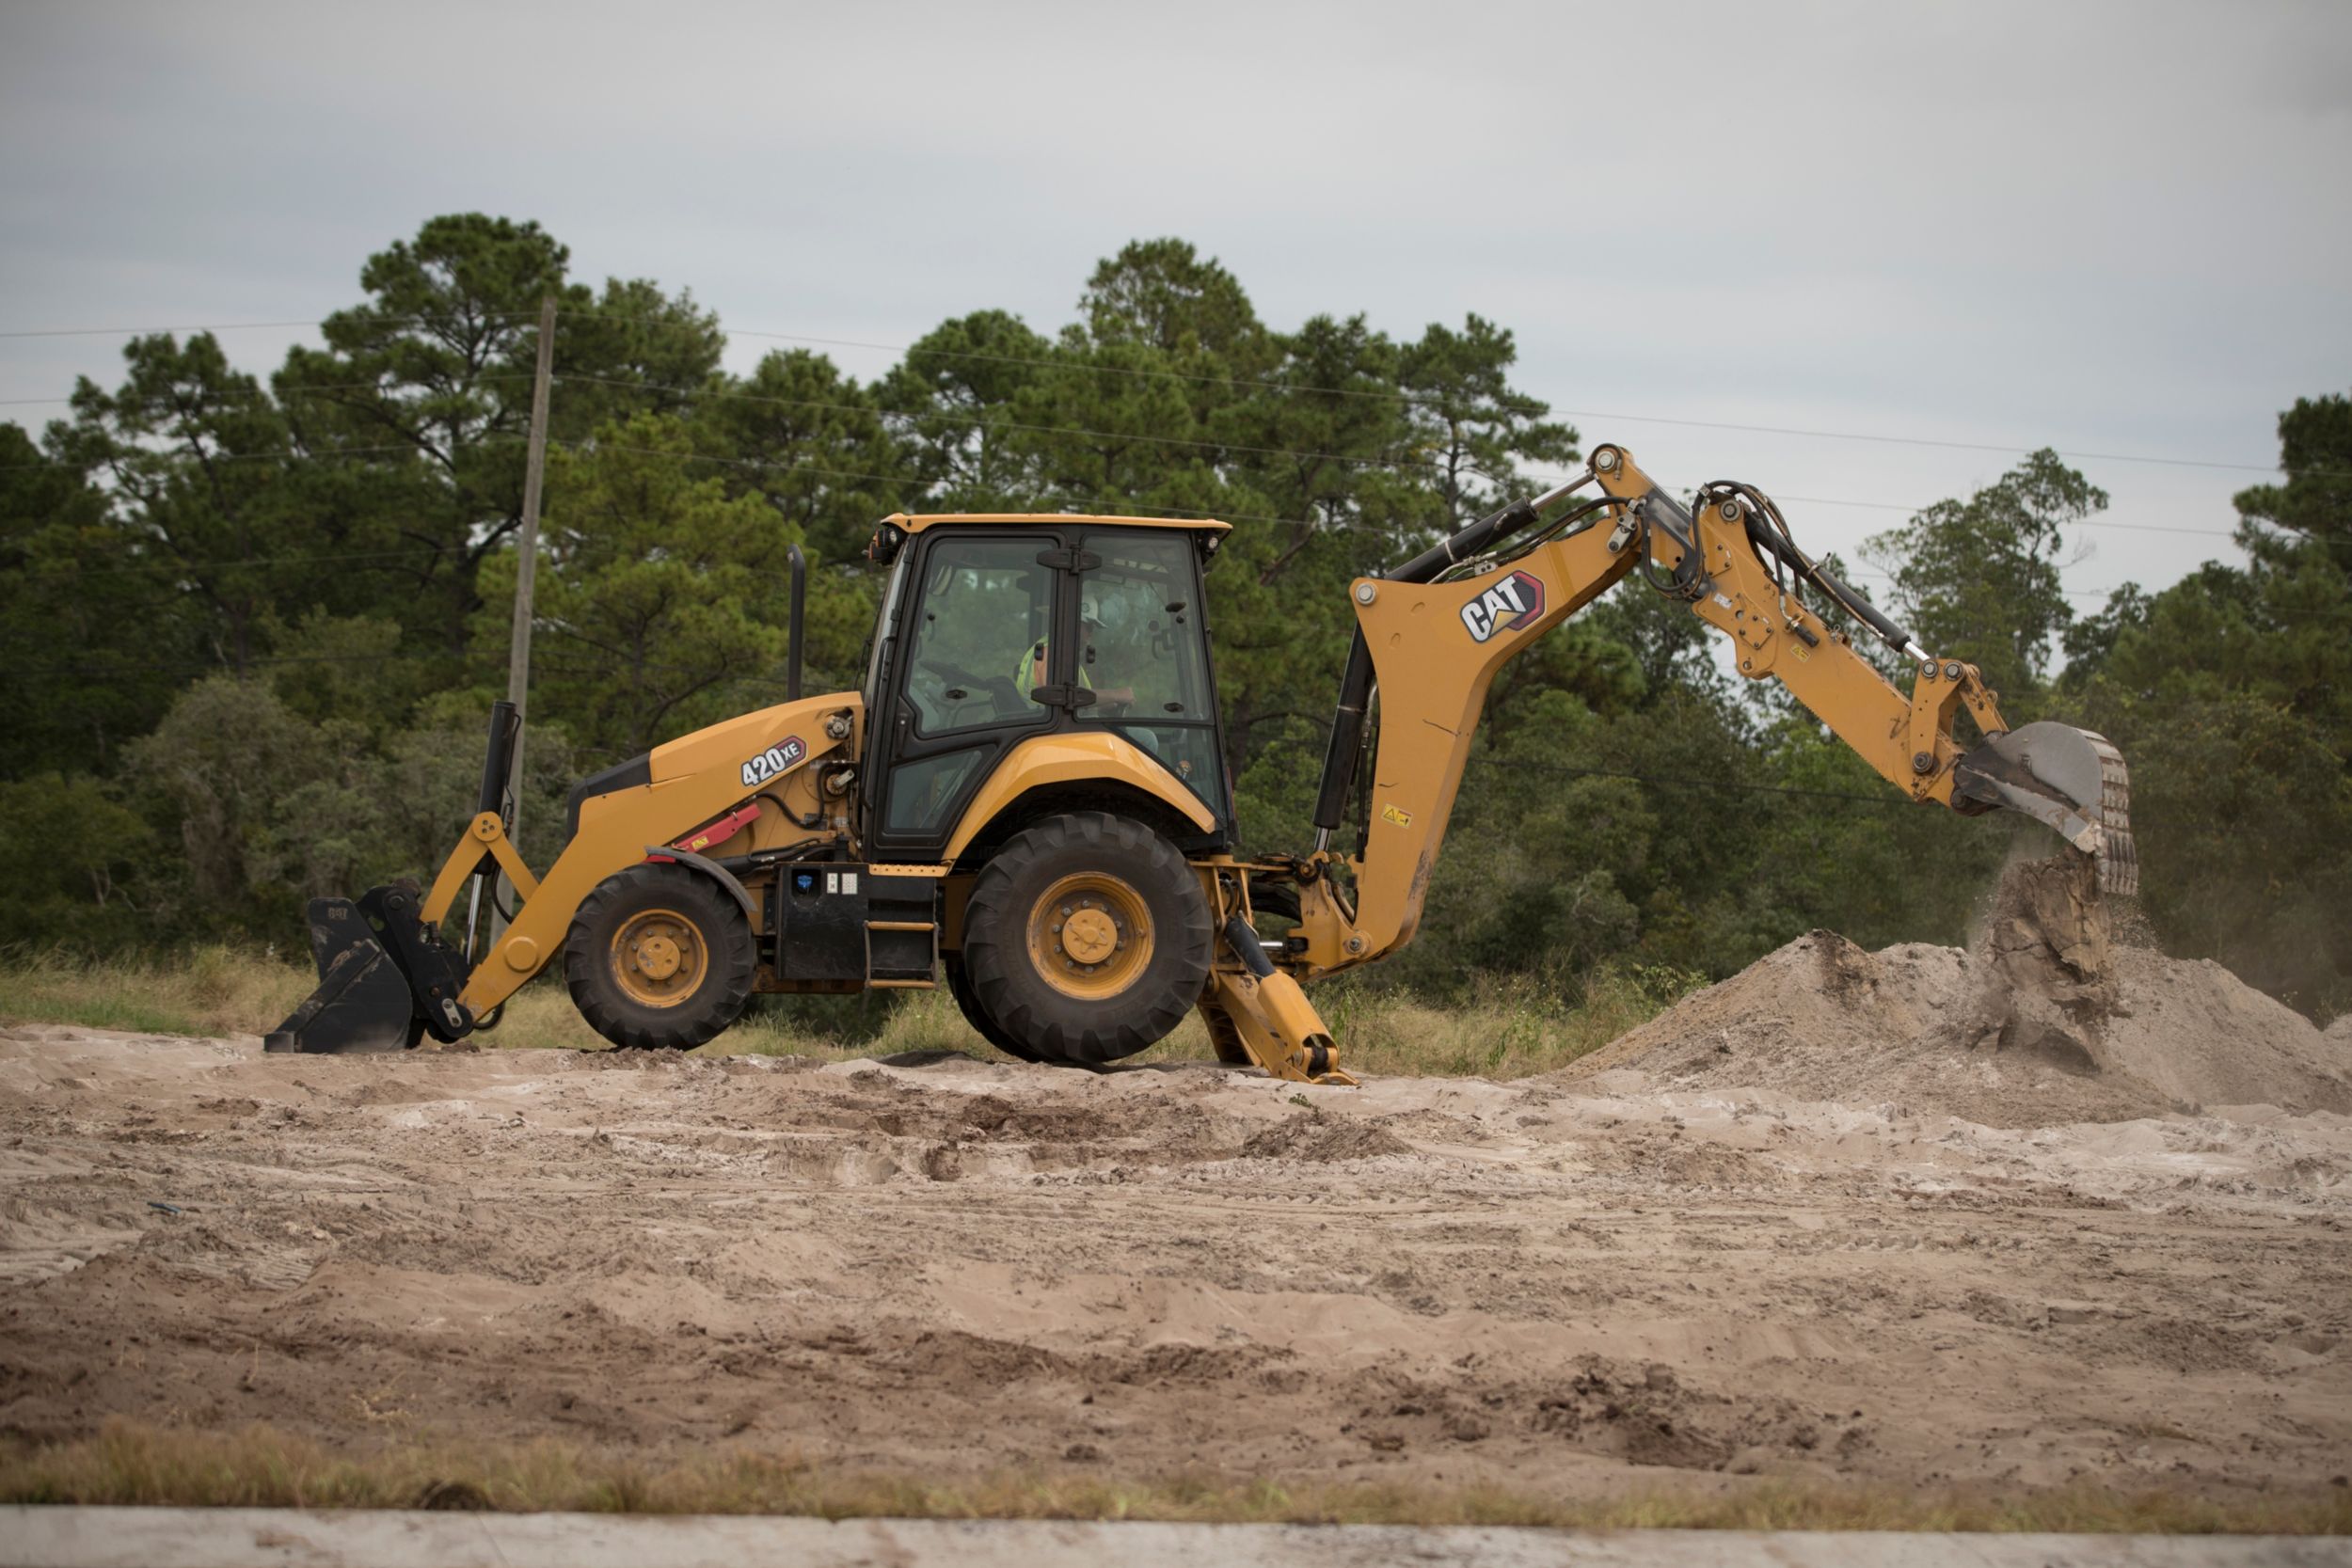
(362, 1001)
(2071, 779)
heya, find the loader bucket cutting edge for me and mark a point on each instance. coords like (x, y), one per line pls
(362, 1002)
(2071, 779)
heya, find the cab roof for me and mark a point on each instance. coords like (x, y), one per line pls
(944, 519)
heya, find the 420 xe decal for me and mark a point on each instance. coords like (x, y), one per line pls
(1506, 606)
(784, 755)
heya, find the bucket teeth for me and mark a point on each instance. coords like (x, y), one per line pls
(2118, 857)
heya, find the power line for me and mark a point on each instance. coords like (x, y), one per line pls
(723, 394)
(2087, 522)
(977, 421)
(227, 666)
(1549, 409)
(253, 326)
(171, 566)
(1427, 399)
(1132, 507)
(1201, 443)
(1271, 384)
(151, 331)
(335, 454)
(757, 463)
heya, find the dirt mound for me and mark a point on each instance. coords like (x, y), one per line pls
(1314, 1138)
(2197, 1032)
(2045, 1022)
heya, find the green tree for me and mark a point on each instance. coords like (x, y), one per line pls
(219, 771)
(1475, 430)
(1979, 578)
(810, 441)
(1160, 294)
(2230, 694)
(429, 384)
(2314, 505)
(951, 403)
(76, 852)
(661, 600)
(198, 459)
(96, 632)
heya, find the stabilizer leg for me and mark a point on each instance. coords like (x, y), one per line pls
(1262, 1013)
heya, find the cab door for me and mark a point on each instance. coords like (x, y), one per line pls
(979, 615)
(1143, 655)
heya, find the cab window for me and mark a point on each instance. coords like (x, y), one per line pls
(984, 608)
(1141, 652)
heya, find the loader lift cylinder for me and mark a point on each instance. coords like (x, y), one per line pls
(499, 760)
(497, 765)
(1347, 734)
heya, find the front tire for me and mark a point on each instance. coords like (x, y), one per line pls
(1087, 938)
(659, 957)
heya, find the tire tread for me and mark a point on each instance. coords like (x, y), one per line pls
(995, 958)
(733, 952)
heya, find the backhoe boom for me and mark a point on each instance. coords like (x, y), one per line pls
(1431, 637)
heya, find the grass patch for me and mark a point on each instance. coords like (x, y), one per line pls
(131, 1463)
(208, 990)
(1514, 1029)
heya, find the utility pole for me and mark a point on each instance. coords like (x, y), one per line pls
(519, 655)
(527, 557)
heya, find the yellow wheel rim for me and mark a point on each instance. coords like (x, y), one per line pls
(1090, 935)
(659, 958)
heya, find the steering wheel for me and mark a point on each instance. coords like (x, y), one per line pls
(1004, 697)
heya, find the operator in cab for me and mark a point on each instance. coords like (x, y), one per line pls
(1031, 673)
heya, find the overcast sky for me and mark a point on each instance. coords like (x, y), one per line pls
(2116, 229)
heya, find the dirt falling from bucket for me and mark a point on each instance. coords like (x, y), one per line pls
(2043, 974)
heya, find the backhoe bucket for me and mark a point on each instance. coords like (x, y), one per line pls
(362, 1002)
(2071, 779)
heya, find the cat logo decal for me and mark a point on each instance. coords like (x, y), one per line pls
(1506, 606)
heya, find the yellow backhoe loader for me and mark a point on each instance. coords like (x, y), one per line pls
(1029, 796)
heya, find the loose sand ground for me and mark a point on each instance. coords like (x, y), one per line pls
(1645, 1275)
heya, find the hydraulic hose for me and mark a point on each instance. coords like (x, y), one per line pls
(1765, 538)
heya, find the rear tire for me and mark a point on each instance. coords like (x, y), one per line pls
(1087, 938)
(659, 957)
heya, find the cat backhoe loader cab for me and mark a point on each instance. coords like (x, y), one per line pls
(1029, 796)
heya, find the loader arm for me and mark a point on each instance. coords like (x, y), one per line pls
(1432, 635)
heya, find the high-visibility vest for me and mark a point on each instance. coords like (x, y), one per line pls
(1030, 671)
